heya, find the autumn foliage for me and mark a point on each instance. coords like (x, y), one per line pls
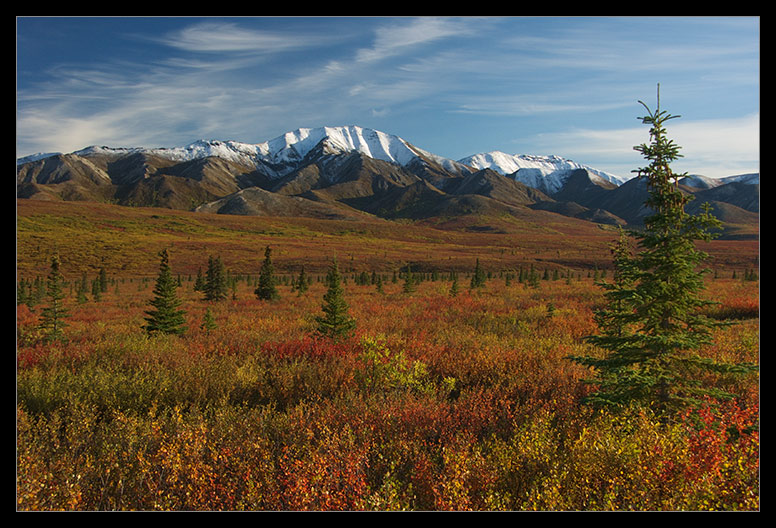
(433, 403)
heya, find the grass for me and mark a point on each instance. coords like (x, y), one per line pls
(90, 235)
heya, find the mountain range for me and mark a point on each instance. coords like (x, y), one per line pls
(350, 171)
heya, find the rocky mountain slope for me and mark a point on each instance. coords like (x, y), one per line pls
(348, 172)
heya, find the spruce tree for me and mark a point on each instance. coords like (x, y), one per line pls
(267, 290)
(335, 321)
(82, 288)
(302, 282)
(52, 315)
(96, 290)
(215, 287)
(22, 292)
(454, 286)
(208, 322)
(410, 282)
(165, 317)
(478, 277)
(103, 280)
(199, 283)
(654, 324)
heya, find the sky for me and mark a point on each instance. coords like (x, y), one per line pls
(454, 86)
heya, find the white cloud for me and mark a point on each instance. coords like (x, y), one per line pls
(393, 39)
(229, 37)
(715, 148)
(218, 83)
(65, 133)
(719, 147)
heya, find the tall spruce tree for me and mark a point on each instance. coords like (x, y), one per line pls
(267, 289)
(165, 317)
(335, 322)
(654, 325)
(53, 315)
(215, 285)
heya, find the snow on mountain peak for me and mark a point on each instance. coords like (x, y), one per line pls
(547, 173)
(704, 182)
(281, 154)
(295, 145)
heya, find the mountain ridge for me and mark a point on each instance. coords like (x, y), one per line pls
(295, 145)
(349, 171)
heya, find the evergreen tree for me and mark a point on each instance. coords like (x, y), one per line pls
(335, 321)
(165, 317)
(103, 281)
(52, 315)
(22, 292)
(478, 277)
(82, 288)
(39, 291)
(302, 282)
(208, 322)
(409, 282)
(454, 286)
(96, 289)
(267, 290)
(215, 287)
(199, 283)
(532, 279)
(654, 325)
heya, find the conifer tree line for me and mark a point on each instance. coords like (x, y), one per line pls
(217, 283)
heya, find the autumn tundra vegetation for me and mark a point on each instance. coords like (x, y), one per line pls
(181, 361)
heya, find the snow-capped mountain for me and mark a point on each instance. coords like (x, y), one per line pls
(546, 173)
(292, 147)
(350, 170)
(35, 157)
(280, 155)
(698, 181)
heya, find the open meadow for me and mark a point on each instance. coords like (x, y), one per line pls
(437, 401)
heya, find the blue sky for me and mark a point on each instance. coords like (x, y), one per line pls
(452, 86)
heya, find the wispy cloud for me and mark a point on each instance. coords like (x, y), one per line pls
(562, 86)
(701, 143)
(220, 37)
(217, 83)
(398, 37)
